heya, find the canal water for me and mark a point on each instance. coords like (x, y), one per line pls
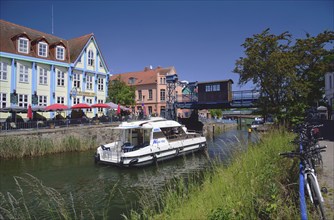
(76, 174)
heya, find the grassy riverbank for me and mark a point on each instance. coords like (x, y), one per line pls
(19, 147)
(256, 185)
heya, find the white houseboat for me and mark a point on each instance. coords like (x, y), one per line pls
(146, 142)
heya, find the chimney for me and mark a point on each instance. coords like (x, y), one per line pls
(146, 69)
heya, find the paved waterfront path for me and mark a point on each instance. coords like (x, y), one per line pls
(326, 177)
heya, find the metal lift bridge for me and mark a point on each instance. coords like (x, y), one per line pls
(172, 81)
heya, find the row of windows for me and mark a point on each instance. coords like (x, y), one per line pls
(42, 48)
(22, 100)
(132, 80)
(42, 51)
(42, 100)
(43, 77)
(212, 88)
(163, 80)
(150, 95)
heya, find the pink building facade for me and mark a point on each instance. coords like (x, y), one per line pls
(151, 89)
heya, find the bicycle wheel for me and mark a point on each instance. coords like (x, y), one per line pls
(318, 157)
(319, 161)
(318, 204)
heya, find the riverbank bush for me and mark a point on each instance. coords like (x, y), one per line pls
(258, 184)
(18, 147)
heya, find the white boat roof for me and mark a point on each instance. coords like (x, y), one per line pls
(154, 122)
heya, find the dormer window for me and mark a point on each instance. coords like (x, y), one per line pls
(23, 45)
(132, 80)
(42, 49)
(60, 53)
(90, 58)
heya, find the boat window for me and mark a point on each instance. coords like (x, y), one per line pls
(173, 132)
(127, 135)
(136, 136)
(157, 135)
(147, 136)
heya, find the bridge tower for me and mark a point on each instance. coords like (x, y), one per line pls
(172, 81)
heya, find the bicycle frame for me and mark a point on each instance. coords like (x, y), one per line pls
(303, 212)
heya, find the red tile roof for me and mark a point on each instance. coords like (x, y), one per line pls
(147, 76)
(77, 45)
(9, 32)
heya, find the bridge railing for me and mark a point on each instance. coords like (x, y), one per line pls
(245, 95)
(187, 98)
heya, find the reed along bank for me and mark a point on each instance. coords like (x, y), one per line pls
(257, 184)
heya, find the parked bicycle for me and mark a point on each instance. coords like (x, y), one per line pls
(309, 153)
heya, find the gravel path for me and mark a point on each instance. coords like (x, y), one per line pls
(326, 177)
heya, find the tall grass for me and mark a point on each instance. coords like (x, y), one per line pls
(18, 147)
(34, 200)
(257, 184)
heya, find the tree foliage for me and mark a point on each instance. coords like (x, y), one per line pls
(216, 112)
(288, 73)
(120, 92)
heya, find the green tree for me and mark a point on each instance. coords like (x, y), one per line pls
(216, 112)
(314, 58)
(289, 77)
(119, 92)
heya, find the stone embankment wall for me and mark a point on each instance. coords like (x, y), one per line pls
(208, 128)
(99, 134)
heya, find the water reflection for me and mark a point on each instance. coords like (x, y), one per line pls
(76, 173)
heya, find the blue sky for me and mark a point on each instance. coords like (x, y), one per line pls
(201, 39)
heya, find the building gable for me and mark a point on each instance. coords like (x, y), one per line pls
(80, 48)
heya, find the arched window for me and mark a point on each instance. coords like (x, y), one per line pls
(90, 58)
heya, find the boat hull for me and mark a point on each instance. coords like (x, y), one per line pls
(153, 157)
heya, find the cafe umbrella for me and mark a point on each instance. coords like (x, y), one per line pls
(81, 106)
(101, 105)
(119, 109)
(14, 109)
(56, 107)
(112, 105)
(29, 113)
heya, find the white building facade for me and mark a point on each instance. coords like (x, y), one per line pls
(41, 69)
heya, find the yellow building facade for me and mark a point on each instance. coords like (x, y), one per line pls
(40, 69)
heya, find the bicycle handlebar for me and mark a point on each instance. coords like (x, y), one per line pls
(303, 154)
